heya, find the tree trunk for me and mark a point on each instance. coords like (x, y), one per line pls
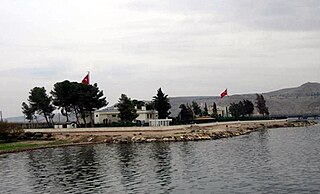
(46, 117)
(76, 113)
(91, 119)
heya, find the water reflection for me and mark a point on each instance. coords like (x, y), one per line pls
(161, 155)
(127, 164)
(63, 170)
(269, 161)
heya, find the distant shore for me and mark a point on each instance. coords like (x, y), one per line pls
(50, 138)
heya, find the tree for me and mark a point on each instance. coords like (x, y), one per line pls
(186, 113)
(41, 103)
(126, 108)
(235, 110)
(90, 98)
(81, 99)
(161, 104)
(196, 108)
(248, 107)
(28, 111)
(242, 108)
(150, 106)
(138, 103)
(214, 110)
(62, 94)
(205, 111)
(261, 105)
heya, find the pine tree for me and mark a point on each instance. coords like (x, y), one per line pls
(161, 104)
(41, 103)
(186, 113)
(214, 111)
(196, 108)
(126, 108)
(261, 105)
(205, 111)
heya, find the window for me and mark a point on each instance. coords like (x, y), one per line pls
(114, 115)
(97, 115)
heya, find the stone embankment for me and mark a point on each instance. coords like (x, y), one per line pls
(189, 133)
(49, 138)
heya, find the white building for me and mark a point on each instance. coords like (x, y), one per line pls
(111, 115)
(223, 111)
(159, 122)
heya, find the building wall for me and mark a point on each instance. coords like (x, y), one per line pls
(145, 116)
(106, 117)
(221, 110)
(113, 117)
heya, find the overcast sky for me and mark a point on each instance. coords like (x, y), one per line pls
(187, 47)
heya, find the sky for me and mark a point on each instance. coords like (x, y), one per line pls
(186, 47)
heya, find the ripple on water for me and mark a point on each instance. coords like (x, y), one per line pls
(269, 161)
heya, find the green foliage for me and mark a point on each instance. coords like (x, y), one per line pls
(161, 104)
(241, 108)
(81, 99)
(63, 94)
(248, 107)
(90, 98)
(214, 111)
(126, 108)
(235, 109)
(150, 106)
(10, 131)
(138, 103)
(28, 111)
(196, 109)
(186, 113)
(40, 103)
(205, 111)
(261, 105)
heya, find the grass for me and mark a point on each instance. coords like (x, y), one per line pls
(25, 145)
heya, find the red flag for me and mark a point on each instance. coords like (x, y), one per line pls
(224, 93)
(86, 80)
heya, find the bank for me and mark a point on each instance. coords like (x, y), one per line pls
(50, 138)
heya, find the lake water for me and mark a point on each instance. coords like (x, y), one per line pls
(285, 160)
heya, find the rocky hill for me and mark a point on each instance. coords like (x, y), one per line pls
(304, 100)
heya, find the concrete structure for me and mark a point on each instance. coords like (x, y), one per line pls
(111, 115)
(223, 111)
(159, 122)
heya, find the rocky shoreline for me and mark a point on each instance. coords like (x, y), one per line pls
(189, 133)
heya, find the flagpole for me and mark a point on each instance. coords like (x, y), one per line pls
(89, 78)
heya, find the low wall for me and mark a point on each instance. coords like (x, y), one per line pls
(141, 129)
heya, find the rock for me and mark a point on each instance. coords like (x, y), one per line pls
(151, 140)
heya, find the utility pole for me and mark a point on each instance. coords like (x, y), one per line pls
(1, 116)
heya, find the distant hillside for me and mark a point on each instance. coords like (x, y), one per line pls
(304, 99)
(57, 118)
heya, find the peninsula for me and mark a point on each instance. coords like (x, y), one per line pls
(48, 138)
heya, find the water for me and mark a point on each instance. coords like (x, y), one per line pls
(285, 160)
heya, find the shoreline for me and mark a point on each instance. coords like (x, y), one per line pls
(196, 132)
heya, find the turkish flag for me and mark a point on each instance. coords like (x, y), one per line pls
(224, 93)
(86, 80)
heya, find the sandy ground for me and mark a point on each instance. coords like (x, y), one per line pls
(125, 132)
(195, 132)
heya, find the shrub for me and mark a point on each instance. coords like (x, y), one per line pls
(10, 131)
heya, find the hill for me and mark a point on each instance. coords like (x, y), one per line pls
(304, 100)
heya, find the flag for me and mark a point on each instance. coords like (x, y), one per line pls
(224, 93)
(86, 80)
